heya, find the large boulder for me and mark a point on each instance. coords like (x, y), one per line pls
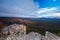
(14, 29)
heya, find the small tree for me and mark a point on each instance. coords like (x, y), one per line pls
(58, 34)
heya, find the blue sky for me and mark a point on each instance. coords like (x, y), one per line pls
(30, 8)
(48, 3)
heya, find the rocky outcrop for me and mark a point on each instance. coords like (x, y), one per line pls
(14, 29)
(32, 36)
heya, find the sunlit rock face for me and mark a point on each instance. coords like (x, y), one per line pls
(33, 36)
(29, 36)
(51, 36)
(14, 29)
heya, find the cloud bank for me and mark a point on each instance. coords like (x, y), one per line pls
(17, 8)
(48, 12)
(26, 8)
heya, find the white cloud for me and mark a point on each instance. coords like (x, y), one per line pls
(48, 12)
(55, 15)
(43, 10)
